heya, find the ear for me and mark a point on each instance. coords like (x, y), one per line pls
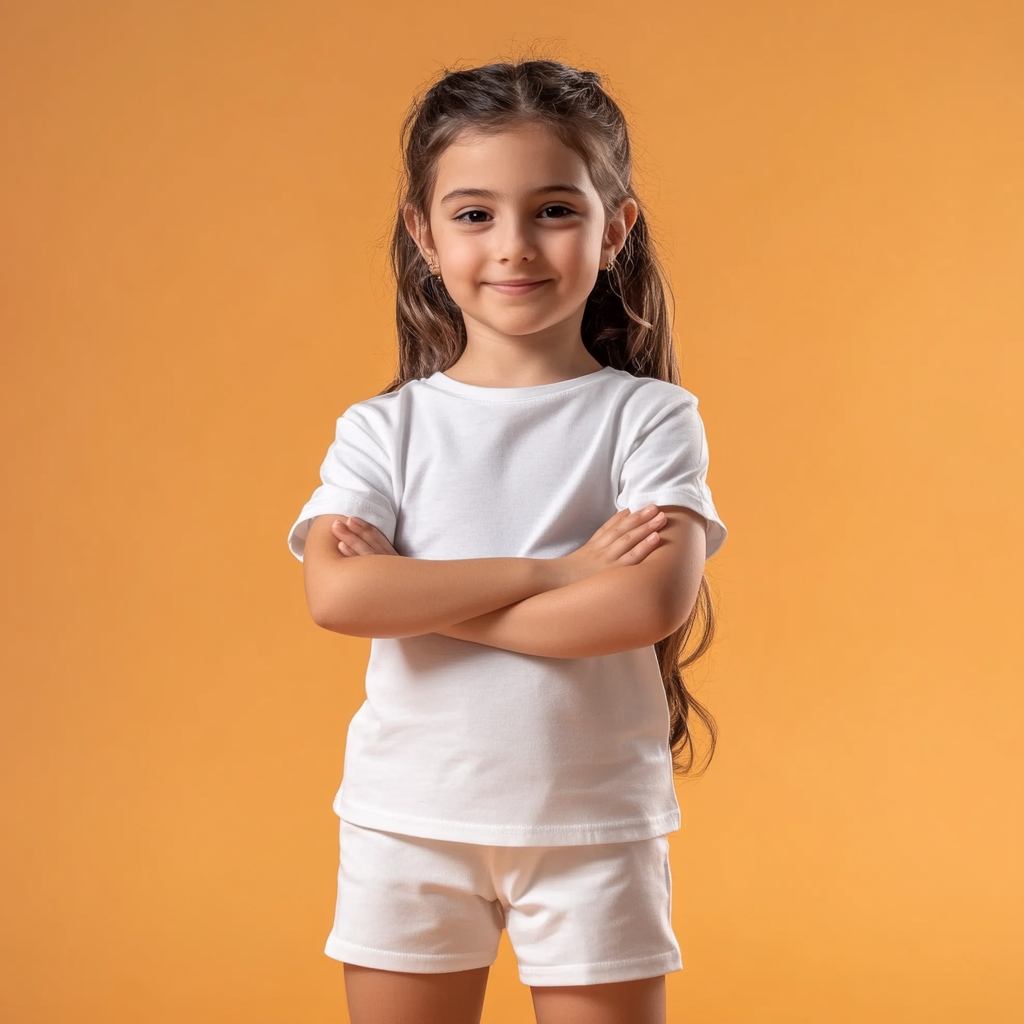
(620, 224)
(419, 228)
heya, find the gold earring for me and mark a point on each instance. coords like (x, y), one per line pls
(435, 268)
(611, 263)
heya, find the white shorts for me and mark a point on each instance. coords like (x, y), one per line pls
(576, 915)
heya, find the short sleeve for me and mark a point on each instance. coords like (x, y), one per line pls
(355, 481)
(667, 464)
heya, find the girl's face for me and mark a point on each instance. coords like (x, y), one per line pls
(518, 207)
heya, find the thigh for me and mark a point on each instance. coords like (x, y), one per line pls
(591, 915)
(393, 997)
(623, 1002)
(412, 905)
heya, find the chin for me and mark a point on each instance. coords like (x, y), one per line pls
(514, 326)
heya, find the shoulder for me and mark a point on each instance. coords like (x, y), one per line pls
(378, 416)
(650, 398)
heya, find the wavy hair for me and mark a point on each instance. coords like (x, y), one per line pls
(626, 321)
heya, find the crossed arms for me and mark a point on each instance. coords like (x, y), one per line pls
(553, 607)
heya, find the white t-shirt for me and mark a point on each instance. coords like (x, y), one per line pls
(461, 741)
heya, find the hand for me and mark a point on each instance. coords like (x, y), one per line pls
(627, 538)
(357, 537)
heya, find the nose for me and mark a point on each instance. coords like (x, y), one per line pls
(513, 241)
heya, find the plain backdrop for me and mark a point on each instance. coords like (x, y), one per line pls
(196, 199)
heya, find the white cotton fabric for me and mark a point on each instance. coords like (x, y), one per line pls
(575, 915)
(464, 742)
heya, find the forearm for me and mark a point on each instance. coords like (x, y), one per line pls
(602, 614)
(388, 596)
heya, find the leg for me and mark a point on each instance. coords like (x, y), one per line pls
(396, 997)
(415, 923)
(591, 927)
(619, 1002)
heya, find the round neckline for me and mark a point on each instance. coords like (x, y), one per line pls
(441, 380)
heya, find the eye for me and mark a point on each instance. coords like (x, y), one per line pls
(468, 216)
(462, 216)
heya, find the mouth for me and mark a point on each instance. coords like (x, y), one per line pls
(516, 287)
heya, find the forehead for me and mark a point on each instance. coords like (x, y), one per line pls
(512, 163)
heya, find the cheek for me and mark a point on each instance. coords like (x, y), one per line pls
(575, 252)
(463, 255)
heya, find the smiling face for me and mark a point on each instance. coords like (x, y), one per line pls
(518, 207)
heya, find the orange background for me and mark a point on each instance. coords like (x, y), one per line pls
(196, 197)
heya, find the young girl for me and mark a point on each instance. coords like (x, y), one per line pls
(532, 489)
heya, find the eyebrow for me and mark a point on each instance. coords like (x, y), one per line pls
(484, 193)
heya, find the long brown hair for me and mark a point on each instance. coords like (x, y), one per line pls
(626, 321)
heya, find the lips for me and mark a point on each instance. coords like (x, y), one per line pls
(515, 287)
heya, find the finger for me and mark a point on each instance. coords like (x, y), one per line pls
(620, 545)
(610, 524)
(371, 535)
(378, 544)
(356, 544)
(608, 528)
(353, 526)
(634, 520)
(624, 520)
(640, 551)
(642, 516)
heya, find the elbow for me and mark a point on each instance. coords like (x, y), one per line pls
(653, 636)
(328, 608)
(322, 618)
(337, 621)
(660, 615)
(325, 617)
(674, 614)
(340, 616)
(647, 628)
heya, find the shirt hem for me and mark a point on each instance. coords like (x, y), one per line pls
(511, 835)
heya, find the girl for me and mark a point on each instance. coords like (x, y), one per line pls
(532, 485)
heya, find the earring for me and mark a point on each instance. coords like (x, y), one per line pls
(611, 263)
(435, 268)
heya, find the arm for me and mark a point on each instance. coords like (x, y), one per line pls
(400, 596)
(619, 609)
(393, 597)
